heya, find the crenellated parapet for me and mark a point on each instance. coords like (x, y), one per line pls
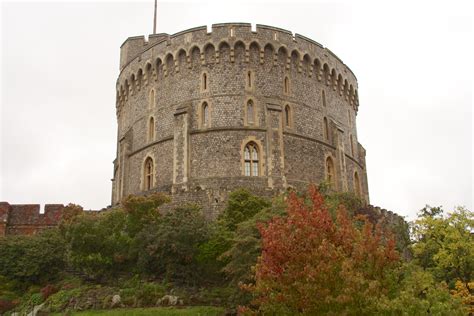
(26, 219)
(161, 56)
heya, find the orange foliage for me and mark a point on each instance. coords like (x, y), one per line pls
(313, 264)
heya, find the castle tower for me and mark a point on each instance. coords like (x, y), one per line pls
(200, 114)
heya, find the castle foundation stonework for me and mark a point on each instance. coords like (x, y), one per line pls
(202, 113)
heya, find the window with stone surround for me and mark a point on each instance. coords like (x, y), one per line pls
(148, 174)
(286, 85)
(330, 173)
(251, 160)
(323, 97)
(205, 115)
(357, 188)
(288, 116)
(151, 129)
(325, 129)
(151, 99)
(204, 82)
(352, 145)
(250, 112)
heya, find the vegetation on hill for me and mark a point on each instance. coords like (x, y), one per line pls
(300, 253)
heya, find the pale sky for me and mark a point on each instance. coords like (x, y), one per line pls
(413, 61)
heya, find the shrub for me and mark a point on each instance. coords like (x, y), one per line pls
(241, 206)
(32, 259)
(313, 265)
(169, 248)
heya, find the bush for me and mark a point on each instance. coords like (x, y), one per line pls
(32, 259)
(170, 247)
(98, 246)
(241, 206)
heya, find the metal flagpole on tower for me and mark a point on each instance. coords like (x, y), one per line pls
(154, 20)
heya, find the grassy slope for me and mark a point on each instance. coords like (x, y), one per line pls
(156, 311)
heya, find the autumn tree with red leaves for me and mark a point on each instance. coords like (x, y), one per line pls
(314, 264)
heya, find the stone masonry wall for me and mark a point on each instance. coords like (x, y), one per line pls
(163, 79)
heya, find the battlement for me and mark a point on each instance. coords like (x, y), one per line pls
(26, 219)
(134, 46)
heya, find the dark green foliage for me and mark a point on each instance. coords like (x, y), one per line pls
(241, 206)
(169, 247)
(246, 244)
(98, 245)
(32, 259)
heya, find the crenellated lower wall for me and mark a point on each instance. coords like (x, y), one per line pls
(26, 219)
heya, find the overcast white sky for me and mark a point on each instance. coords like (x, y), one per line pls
(413, 61)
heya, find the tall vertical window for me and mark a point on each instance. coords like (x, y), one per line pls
(330, 173)
(352, 145)
(250, 112)
(287, 116)
(357, 189)
(151, 100)
(287, 85)
(249, 79)
(148, 174)
(205, 114)
(323, 96)
(204, 81)
(251, 160)
(325, 129)
(349, 118)
(151, 129)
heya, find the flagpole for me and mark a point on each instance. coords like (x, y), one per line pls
(154, 20)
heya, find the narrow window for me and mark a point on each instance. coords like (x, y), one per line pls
(204, 81)
(151, 129)
(205, 114)
(232, 33)
(357, 189)
(148, 176)
(349, 117)
(250, 112)
(287, 116)
(330, 175)
(251, 160)
(323, 96)
(326, 129)
(352, 146)
(151, 101)
(249, 79)
(287, 85)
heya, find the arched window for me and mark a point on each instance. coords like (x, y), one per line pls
(287, 116)
(204, 82)
(323, 97)
(250, 112)
(251, 160)
(330, 173)
(352, 145)
(357, 184)
(325, 129)
(151, 100)
(287, 85)
(148, 174)
(205, 114)
(151, 129)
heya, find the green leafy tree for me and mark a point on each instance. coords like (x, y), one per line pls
(32, 259)
(241, 206)
(170, 247)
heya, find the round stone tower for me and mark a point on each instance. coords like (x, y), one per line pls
(202, 113)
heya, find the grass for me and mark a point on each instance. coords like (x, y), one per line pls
(156, 311)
